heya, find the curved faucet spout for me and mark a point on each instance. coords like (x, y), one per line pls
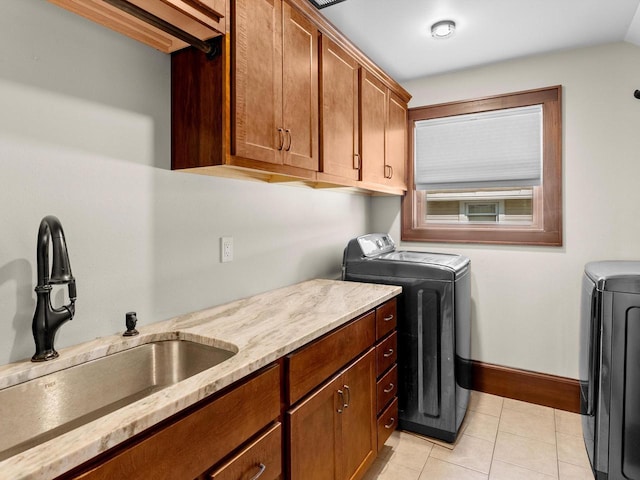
(46, 319)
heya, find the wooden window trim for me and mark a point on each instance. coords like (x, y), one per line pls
(549, 231)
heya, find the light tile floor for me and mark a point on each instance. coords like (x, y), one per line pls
(500, 439)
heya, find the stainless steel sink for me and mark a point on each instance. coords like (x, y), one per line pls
(41, 409)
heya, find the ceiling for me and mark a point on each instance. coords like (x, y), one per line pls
(395, 33)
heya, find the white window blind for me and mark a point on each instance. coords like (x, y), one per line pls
(501, 148)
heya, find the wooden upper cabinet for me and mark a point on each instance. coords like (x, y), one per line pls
(300, 89)
(396, 139)
(339, 112)
(257, 77)
(275, 58)
(203, 19)
(384, 134)
(288, 99)
(373, 107)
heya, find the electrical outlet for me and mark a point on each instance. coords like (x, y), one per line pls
(226, 249)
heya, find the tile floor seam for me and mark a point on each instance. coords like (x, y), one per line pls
(523, 468)
(461, 466)
(496, 466)
(495, 442)
(555, 431)
(533, 438)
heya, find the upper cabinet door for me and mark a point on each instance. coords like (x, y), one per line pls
(384, 134)
(299, 90)
(258, 131)
(339, 113)
(396, 142)
(275, 75)
(373, 108)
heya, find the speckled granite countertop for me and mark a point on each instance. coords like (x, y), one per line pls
(261, 329)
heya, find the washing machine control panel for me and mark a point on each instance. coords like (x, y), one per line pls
(375, 244)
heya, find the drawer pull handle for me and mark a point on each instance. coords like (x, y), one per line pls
(389, 388)
(262, 468)
(391, 422)
(388, 353)
(388, 319)
(288, 147)
(342, 404)
(280, 138)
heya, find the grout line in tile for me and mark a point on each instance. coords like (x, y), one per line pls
(523, 468)
(555, 429)
(557, 465)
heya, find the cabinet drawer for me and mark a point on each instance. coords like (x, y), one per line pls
(263, 457)
(387, 388)
(386, 353)
(311, 365)
(387, 423)
(192, 444)
(386, 318)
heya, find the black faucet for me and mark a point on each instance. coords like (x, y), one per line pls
(46, 319)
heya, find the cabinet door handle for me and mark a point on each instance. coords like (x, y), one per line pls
(356, 161)
(262, 468)
(389, 388)
(280, 138)
(388, 319)
(388, 171)
(348, 392)
(391, 422)
(342, 404)
(388, 353)
(288, 132)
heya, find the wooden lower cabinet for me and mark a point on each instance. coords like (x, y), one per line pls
(261, 459)
(332, 432)
(320, 413)
(196, 441)
(387, 422)
(386, 370)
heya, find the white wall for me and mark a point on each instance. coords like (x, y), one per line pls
(526, 299)
(85, 135)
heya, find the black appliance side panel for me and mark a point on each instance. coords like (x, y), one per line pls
(631, 413)
(624, 440)
(589, 361)
(462, 357)
(426, 354)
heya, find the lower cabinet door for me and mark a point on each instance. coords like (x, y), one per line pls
(358, 422)
(332, 432)
(313, 434)
(261, 459)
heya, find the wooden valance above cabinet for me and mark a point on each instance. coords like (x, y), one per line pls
(201, 19)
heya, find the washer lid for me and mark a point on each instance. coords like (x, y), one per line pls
(615, 275)
(450, 260)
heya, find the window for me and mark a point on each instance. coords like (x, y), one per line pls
(486, 170)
